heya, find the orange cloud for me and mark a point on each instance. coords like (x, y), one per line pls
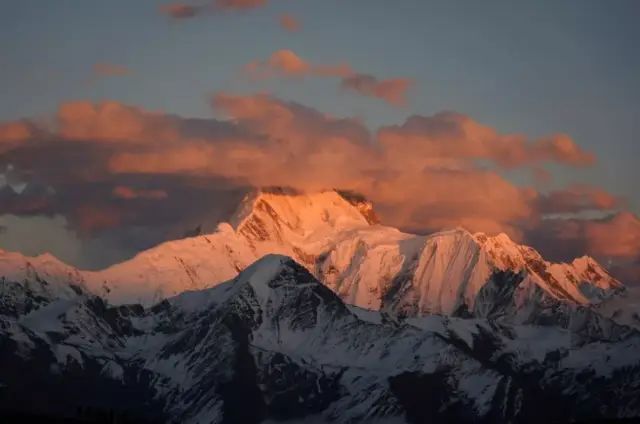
(428, 173)
(617, 236)
(413, 185)
(184, 11)
(289, 23)
(113, 122)
(280, 63)
(110, 70)
(392, 91)
(239, 4)
(180, 10)
(563, 146)
(450, 135)
(614, 241)
(13, 134)
(286, 63)
(578, 198)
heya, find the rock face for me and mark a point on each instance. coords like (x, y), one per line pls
(336, 236)
(276, 344)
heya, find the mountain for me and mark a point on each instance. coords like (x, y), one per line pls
(337, 236)
(455, 272)
(276, 344)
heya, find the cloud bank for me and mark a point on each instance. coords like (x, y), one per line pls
(149, 169)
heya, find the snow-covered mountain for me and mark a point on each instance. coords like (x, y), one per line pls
(276, 344)
(337, 237)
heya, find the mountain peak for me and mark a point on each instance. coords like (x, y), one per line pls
(273, 271)
(362, 204)
(265, 269)
(284, 291)
(284, 214)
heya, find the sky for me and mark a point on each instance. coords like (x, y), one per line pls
(525, 118)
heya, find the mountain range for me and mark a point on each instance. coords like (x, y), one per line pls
(303, 307)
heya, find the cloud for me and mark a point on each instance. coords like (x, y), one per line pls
(578, 198)
(282, 63)
(181, 10)
(451, 135)
(142, 170)
(287, 64)
(289, 23)
(392, 91)
(113, 122)
(613, 240)
(186, 11)
(110, 70)
(239, 5)
(128, 193)
(616, 236)
(12, 134)
(296, 145)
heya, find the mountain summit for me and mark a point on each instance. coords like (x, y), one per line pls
(337, 237)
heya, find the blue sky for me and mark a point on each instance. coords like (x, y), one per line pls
(527, 67)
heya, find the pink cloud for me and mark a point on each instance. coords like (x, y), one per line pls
(281, 63)
(113, 122)
(578, 198)
(617, 236)
(289, 23)
(239, 4)
(110, 70)
(181, 10)
(286, 63)
(450, 135)
(14, 133)
(392, 91)
(425, 174)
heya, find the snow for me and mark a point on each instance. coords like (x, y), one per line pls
(366, 314)
(113, 370)
(292, 318)
(47, 318)
(261, 272)
(480, 388)
(624, 308)
(324, 232)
